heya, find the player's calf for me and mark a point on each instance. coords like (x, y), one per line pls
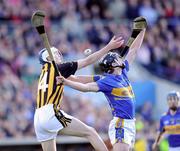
(95, 139)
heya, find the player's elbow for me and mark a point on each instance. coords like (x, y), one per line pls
(83, 63)
(88, 88)
(87, 63)
(88, 60)
(85, 89)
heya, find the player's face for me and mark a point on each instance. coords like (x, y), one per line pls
(58, 57)
(173, 102)
(120, 61)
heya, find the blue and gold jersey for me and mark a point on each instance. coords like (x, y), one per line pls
(119, 93)
(170, 124)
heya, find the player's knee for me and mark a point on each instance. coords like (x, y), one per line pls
(91, 131)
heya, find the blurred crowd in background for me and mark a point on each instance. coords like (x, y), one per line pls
(72, 26)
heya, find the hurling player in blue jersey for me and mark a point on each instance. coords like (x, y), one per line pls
(117, 88)
(170, 123)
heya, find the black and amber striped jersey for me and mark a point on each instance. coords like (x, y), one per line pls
(48, 91)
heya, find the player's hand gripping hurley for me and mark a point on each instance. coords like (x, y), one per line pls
(38, 22)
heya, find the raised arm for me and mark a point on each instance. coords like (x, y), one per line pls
(114, 43)
(135, 40)
(89, 87)
(135, 46)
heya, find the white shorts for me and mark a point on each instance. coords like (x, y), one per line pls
(122, 130)
(174, 148)
(47, 124)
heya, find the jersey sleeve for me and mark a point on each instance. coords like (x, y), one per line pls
(104, 85)
(96, 78)
(68, 68)
(126, 65)
(126, 69)
(161, 125)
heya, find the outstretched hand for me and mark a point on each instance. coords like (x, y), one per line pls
(115, 42)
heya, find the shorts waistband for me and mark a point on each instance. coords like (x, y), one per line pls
(44, 107)
(130, 120)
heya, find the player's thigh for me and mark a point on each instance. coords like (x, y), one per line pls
(76, 128)
(49, 145)
(121, 147)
